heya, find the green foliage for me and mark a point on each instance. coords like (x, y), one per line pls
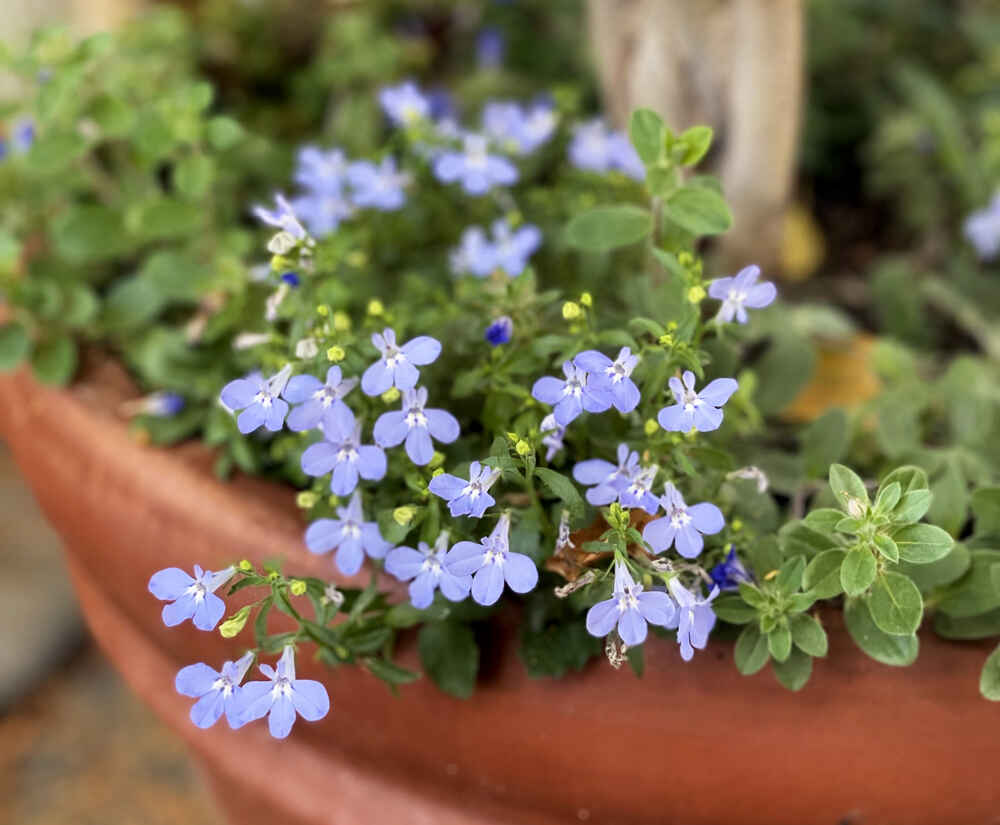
(449, 654)
(609, 227)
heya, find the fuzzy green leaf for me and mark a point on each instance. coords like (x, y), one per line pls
(896, 604)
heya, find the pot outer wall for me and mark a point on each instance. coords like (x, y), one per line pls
(692, 744)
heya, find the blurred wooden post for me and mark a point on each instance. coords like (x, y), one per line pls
(733, 64)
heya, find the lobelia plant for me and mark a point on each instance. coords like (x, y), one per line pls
(468, 348)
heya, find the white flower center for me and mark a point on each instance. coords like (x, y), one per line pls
(393, 357)
(415, 417)
(198, 591)
(347, 452)
(679, 517)
(351, 529)
(265, 399)
(627, 600)
(736, 296)
(282, 687)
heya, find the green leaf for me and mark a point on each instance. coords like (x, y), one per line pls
(822, 575)
(909, 477)
(971, 627)
(646, 130)
(449, 654)
(608, 227)
(731, 608)
(54, 360)
(858, 571)
(847, 487)
(950, 498)
(808, 634)
(637, 660)
(783, 371)
(751, 595)
(224, 132)
(922, 543)
(938, 573)
(898, 651)
(789, 577)
(888, 497)
(912, 507)
(696, 141)
(698, 210)
(989, 680)
(824, 519)
(824, 442)
(986, 509)
(389, 672)
(886, 547)
(562, 488)
(750, 653)
(974, 593)
(795, 671)
(779, 642)
(194, 175)
(797, 538)
(896, 604)
(14, 345)
(89, 232)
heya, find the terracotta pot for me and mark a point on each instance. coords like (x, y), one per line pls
(688, 743)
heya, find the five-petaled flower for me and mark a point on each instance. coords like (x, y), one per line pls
(282, 696)
(522, 130)
(490, 563)
(467, 498)
(572, 395)
(378, 187)
(682, 526)
(395, 367)
(694, 410)
(741, 291)
(694, 619)
(404, 104)
(342, 452)
(639, 491)
(613, 376)
(474, 167)
(425, 569)
(316, 400)
(595, 148)
(416, 425)
(190, 598)
(630, 608)
(350, 534)
(259, 398)
(217, 691)
(512, 247)
(606, 481)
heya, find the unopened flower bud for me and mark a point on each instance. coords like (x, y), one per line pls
(375, 307)
(298, 587)
(571, 311)
(390, 396)
(523, 448)
(336, 353)
(306, 499)
(696, 294)
(341, 321)
(587, 299)
(404, 515)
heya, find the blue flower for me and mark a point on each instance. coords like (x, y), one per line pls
(607, 481)
(739, 292)
(490, 563)
(728, 574)
(512, 248)
(282, 696)
(552, 437)
(615, 377)
(378, 187)
(291, 278)
(321, 172)
(426, 568)
(323, 211)
(342, 452)
(595, 148)
(475, 255)
(631, 608)
(520, 130)
(190, 598)
(416, 426)
(572, 395)
(982, 230)
(157, 404)
(500, 331)
(474, 167)
(404, 104)
(282, 218)
(694, 619)
(260, 400)
(490, 47)
(682, 526)
(639, 491)
(467, 498)
(396, 366)
(350, 534)
(217, 692)
(624, 158)
(315, 399)
(700, 411)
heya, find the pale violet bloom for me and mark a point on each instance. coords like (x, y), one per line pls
(217, 691)
(342, 452)
(260, 400)
(283, 696)
(475, 254)
(522, 130)
(631, 609)
(321, 171)
(552, 438)
(425, 569)
(590, 149)
(500, 331)
(513, 247)
(572, 395)
(693, 410)
(395, 367)
(739, 292)
(639, 491)
(625, 159)
(490, 47)
(682, 526)
(378, 187)
(491, 563)
(416, 426)
(350, 534)
(694, 619)
(323, 211)
(605, 480)
(474, 167)
(467, 498)
(282, 218)
(982, 230)
(728, 574)
(190, 597)
(404, 104)
(314, 398)
(613, 376)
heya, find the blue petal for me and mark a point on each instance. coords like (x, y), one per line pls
(310, 699)
(195, 680)
(455, 588)
(674, 419)
(520, 572)
(656, 607)
(718, 391)
(447, 486)
(419, 447)
(632, 628)
(390, 429)
(350, 556)
(602, 617)
(593, 471)
(301, 388)
(371, 463)
(592, 361)
(548, 390)
(404, 563)
(179, 611)
(464, 558)
(323, 535)
(306, 416)
(208, 613)
(626, 395)
(706, 418)
(251, 418)
(207, 710)
(442, 425)
(276, 415)
(319, 459)
(169, 584)
(372, 541)
(405, 375)
(422, 350)
(345, 478)
(281, 718)
(659, 534)
(487, 585)
(706, 518)
(422, 590)
(239, 393)
(376, 379)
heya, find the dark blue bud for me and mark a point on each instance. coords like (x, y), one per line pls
(500, 331)
(291, 278)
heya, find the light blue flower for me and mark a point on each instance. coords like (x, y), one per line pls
(377, 187)
(982, 230)
(425, 569)
(395, 367)
(694, 619)
(259, 398)
(682, 526)
(693, 410)
(572, 395)
(513, 247)
(491, 563)
(613, 376)
(474, 167)
(467, 498)
(416, 426)
(350, 534)
(490, 47)
(342, 452)
(321, 172)
(631, 609)
(282, 218)
(596, 148)
(404, 104)
(475, 254)
(314, 398)
(323, 212)
(606, 481)
(639, 491)
(739, 292)
(518, 129)
(217, 692)
(190, 597)
(283, 696)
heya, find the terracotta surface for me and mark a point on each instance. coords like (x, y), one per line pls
(689, 743)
